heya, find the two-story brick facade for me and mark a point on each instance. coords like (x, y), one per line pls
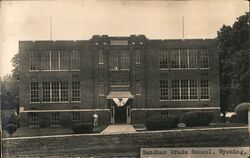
(122, 79)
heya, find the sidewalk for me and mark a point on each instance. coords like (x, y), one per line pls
(123, 128)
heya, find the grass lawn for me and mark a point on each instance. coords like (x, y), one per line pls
(27, 131)
(141, 127)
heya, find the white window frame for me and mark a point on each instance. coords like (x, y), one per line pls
(206, 51)
(76, 117)
(181, 89)
(207, 90)
(34, 119)
(101, 89)
(167, 89)
(138, 88)
(100, 56)
(59, 92)
(76, 90)
(164, 54)
(55, 119)
(34, 90)
(34, 60)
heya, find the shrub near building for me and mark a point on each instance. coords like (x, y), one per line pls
(82, 128)
(197, 118)
(161, 122)
(242, 112)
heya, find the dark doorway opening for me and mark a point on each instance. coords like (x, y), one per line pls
(121, 114)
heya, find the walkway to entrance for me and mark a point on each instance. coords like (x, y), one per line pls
(118, 129)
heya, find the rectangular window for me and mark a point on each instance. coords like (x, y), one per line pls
(55, 91)
(193, 58)
(34, 92)
(175, 62)
(137, 56)
(46, 91)
(55, 118)
(119, 59)
(75, 117)
(175, 89)
(204, 58)
(45, 60)
(101, 88)
(163, 59)
(75, 60)
(64, 91)
(184, 90)
(163, 89)
(64, 60)
(76, 91)
(183, 58)
(34, 60)
(101, 57)
(54, 60)
(193, 89)
(138, 88)
(113, 60)
(204, 89)
(124, 59)
(34, 119)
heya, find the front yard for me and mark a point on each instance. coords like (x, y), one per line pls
(28, 132)
(125, 144)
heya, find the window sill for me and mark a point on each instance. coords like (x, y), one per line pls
(183, 68)
(75, 101)
(55, 70)
(205, 99)
(164, 100)
(119, 69)
(34, 126)
(56, 102)
(186, 100)
(164, 69)
(119, 86)
(125, 69)
(204, 68)
(55, 126)
(35, 102)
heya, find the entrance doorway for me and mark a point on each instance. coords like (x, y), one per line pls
(121, 114)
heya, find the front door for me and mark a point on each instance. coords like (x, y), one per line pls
(121, 114)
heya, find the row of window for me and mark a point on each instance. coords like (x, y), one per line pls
(183, 58)
(54, 60)
(119, 56)
(118, 59)
(54, 118)
(54, 91)
(184, 90)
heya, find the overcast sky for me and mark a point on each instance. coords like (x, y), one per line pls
(80, 19)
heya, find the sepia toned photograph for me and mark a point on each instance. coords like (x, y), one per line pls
(125, 78)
